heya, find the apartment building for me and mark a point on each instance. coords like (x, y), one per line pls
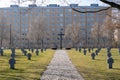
(57, 19)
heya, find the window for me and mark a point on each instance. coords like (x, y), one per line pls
(60, 19)
(47, 14)
(53, 10)
(58, 29)
(22, 38)
(83, 24)
(61, 24)
(83, 19)
(60, 10)
(23, 34)
(5, 11)
(22, 30)
(48, 10)
(26, 29)
(70, 10)
(26, 15)
(61, 14)
(53, 14)
(68, 14)
(53, 24)
(15, 24)
(53, 29)
(75, 14)
(82, 15)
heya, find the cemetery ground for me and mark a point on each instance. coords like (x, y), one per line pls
(24, 69)
(96, 69)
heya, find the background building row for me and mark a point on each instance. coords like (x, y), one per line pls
(56, 19)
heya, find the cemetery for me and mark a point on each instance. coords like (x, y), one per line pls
(65, 41)
(32, 69)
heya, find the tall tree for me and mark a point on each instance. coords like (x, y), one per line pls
(37, 30)
(99, 35)
(74, 32)
(109, 25)
(3, 30)
(116, 22)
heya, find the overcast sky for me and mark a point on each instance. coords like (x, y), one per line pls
(7, 3)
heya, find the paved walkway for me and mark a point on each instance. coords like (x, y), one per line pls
(61, 68)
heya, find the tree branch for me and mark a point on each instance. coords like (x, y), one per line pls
(112, 4)
(100, 10)
(91, 11)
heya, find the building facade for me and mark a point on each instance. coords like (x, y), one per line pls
(57, 18)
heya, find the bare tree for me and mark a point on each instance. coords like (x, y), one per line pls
(95, 34)
(3, 31)
(99, 35)
(110, 28)
(117, 29)
(74, 32)
(37, 30)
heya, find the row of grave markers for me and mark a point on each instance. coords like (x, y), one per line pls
(110, 60)
(12, 60)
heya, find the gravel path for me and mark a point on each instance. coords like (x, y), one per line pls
(61, 68)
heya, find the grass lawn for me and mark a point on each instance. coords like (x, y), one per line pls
(25, 69)
(96, 69)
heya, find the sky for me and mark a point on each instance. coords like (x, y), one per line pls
(7, 3)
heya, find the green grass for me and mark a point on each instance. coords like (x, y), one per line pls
(24, 69)
(96, 69)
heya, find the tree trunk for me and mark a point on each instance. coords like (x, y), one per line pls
(1, 42)
(42, 43)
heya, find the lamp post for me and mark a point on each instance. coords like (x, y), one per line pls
(28, 44)
(10, 36)
(61, 38)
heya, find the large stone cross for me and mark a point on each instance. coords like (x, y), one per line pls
(61, 38)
